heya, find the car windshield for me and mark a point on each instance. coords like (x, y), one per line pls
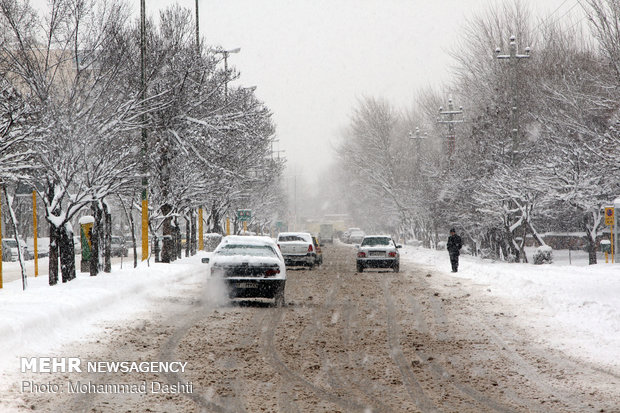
(288, 238)
(11, 243)
(374, 241)
(247, 249)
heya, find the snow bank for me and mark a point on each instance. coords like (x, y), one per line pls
(43, 317)
(574, 308)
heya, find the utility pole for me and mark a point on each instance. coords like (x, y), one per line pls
(513, 57)
(225, 54)
(277, 152)
(418, 137)
(197, 29)
(449, 117)
(145, 202)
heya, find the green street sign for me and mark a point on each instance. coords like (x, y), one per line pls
(244, 214)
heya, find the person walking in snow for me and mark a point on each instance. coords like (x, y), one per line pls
(454, 247)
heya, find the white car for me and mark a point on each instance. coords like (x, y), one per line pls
(251, 266)
(297, 248)
(9, 250)
(356, 236)
(378, 251)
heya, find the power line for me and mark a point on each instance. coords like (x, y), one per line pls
(546, 19)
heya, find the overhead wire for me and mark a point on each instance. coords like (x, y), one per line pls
(546, 19)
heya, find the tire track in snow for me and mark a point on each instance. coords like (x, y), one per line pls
(441, 374)
(273, 357)
(412, 385)
(336, 380)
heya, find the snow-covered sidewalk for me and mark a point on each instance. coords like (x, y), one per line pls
(43, 317)
(574, 308)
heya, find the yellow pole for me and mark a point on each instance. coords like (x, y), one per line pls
(200, 231)
(227, 226)
(606, 257)
(35, 234)
(612, 243)
(245, 227)
(145, 229)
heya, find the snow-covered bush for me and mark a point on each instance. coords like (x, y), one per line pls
(466, 250)
(543, 255)
(441, 245)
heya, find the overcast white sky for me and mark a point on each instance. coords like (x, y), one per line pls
(312, 59)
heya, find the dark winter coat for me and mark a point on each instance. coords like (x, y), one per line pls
(454, 244)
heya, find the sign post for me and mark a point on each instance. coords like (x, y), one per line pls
(244, 215)
(35, 233)
(201, 239)
(609, 221)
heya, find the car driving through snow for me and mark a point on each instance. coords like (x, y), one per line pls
(251, 267)
(378, 251)
(297, 249)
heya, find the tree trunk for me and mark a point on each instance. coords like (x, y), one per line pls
(167, 253)
(177, 237)
(14, 222)
(54, 239)
(215, 225)
(132, 225)
(187, 233)
(95, 239)
(53, 255)
(590, 238)
(107, 238)
(67, 253)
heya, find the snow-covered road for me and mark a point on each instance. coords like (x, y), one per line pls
(493, 337)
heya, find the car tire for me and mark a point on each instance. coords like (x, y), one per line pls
(279, 300)
(396, 268)
(311, 266)
(360, 268)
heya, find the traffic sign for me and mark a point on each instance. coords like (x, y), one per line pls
(609, 216)
(244, 214)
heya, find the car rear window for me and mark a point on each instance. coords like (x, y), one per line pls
(244, 249)
(288, 238)
(371, 242)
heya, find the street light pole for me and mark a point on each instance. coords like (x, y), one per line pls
(513, 57)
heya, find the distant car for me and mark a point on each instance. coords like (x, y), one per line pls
(10, 250)
(297, 248)
(118, 247)
(378, 251)
(346, 236)
(43, 246)
(251, 266)
(356, 236)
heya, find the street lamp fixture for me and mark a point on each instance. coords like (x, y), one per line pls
(225, 54)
